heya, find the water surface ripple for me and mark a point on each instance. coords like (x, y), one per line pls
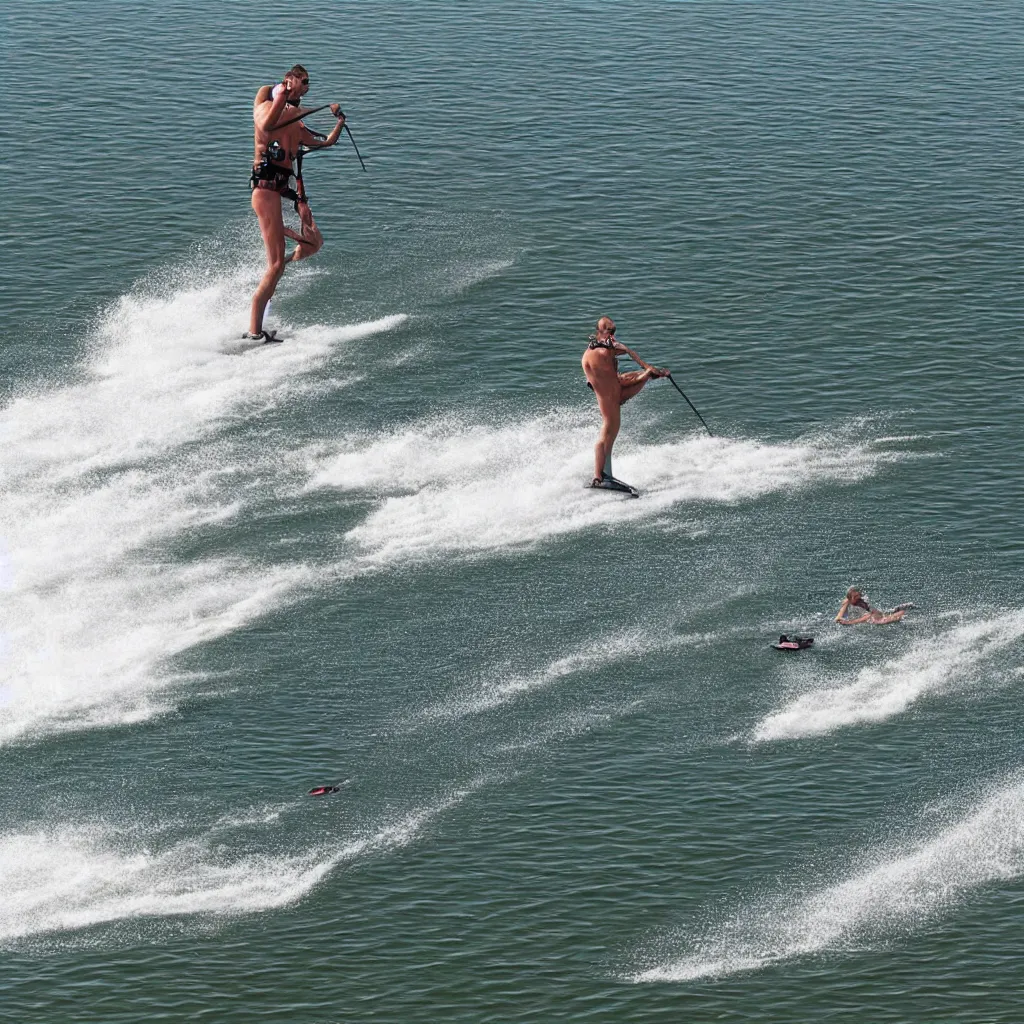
(576, 781)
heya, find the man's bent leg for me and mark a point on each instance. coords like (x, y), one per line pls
(310, 241)
(267, 207)
(632, 384)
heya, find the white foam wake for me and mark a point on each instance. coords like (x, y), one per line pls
(67, 878)
(94, 652)
(570, 725)
(452, 486)
(467, 275)
(907, 889)
(161, 374)
(503, 687)
(100, 476)
(878, 693)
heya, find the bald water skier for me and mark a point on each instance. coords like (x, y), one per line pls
(279, 134)
(612, 390)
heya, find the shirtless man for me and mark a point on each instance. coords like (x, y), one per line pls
(279, 133)
(855, 599)
(610, 387)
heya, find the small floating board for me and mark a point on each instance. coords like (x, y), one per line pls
(328, 790)
(793, 643)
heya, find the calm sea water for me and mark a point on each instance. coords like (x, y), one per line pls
(578, 783)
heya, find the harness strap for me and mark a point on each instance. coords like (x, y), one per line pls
(265, 170)
(279, 175)
(300, 188)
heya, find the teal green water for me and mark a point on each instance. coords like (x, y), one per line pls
(578, 783)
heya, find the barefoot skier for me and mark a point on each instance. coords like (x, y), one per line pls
(612, 390)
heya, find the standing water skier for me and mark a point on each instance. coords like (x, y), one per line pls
(279, 134)
(611, 388)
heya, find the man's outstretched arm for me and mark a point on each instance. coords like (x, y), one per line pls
(312, 140)
(652, 371)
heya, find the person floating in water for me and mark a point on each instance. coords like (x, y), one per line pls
(855, 599)
(279, 134)
(611, 388)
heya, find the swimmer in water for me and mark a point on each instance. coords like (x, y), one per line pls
(611, 388)
(855, 599)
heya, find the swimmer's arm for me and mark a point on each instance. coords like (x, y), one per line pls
(853, 622)
(850, 622)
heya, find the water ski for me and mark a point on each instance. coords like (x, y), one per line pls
(793, 643)
(609, 483)
(251, 341)
(265, 337)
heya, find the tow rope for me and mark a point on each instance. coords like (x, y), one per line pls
(690, 404)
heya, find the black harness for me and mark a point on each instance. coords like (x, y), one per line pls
(271, 169)
(277, 174)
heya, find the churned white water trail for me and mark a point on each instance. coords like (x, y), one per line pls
(164, 369)
(879, 692)
(93, 651)
(157, 437)
(470, 274)
(502, 686)
(898, 890)
(451, 486)
(70, 877)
